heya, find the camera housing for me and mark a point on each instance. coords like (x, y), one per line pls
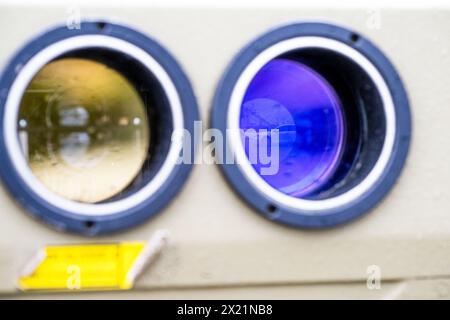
(219, 247)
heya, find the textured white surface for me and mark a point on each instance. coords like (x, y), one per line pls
(217, 241)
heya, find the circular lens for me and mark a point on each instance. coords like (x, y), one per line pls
(288, 99)
(83, 129)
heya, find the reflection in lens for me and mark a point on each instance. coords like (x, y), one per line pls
(292, 98)
(83, 129)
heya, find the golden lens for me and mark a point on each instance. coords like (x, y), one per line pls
(84, 130)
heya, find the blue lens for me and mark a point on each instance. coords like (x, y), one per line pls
(294, 99)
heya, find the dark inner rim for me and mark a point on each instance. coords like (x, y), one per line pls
(156, 104)
(364, 117)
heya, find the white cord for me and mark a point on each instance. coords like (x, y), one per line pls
(151, 250)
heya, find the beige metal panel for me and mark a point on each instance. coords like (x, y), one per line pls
(216, 239)
(414, 289)
(325, 291)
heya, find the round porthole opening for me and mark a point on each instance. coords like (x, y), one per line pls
(323, 124)
(88, 126)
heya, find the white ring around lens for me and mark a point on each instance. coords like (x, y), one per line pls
(234, 108)
(29, 70)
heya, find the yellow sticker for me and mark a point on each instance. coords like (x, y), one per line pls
(83, 267)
